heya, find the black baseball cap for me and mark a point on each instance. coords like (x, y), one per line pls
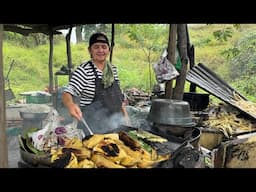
(98, 37)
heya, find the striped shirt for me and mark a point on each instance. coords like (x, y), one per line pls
(82, 82)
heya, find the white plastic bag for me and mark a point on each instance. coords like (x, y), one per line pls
(53, 133)
(46, 137)
(73, 131)
(165, 70)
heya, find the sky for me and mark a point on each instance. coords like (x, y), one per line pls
(73, 34)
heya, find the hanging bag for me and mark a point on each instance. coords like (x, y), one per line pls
(165, 70)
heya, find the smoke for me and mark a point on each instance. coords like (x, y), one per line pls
(138, 116)
(116, 120)
(100, 121)
(95, 117)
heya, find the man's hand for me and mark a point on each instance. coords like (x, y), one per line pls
(127, 120)
(73, 108)
(75, 111)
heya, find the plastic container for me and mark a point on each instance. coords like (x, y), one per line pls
(38, 99)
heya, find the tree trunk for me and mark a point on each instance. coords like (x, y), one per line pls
(79, 34)
(3, 139)
(171, 57)
(182, 47)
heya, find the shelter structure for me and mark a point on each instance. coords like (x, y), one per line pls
(54, 29)
(26, 29)
(50, 30)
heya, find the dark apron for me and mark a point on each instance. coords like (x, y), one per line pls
(104, 113)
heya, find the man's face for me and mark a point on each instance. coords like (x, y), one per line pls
(99, 51)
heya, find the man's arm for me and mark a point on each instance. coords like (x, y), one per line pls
(126, 116)
(72, 107)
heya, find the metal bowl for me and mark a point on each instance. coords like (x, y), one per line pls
(171, 112)
(34, 116)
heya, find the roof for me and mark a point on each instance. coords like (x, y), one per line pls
(47, 29)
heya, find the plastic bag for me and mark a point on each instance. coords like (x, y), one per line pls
(54, 133)
(73, 131)
(45, 137)
(165, 70)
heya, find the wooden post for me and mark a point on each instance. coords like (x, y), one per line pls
(68, 36)
(112, 42)
(171, 57)
(178, 90)
(50, 63)
(3, 139)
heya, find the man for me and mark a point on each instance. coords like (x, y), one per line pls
(96, 83)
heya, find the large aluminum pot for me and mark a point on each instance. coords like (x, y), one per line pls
(171, 112)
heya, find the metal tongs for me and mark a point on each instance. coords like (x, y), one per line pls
(86, 125)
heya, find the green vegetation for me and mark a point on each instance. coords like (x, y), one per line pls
(228, 50)
(231, 56)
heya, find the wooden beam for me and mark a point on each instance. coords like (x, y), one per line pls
(3, 139)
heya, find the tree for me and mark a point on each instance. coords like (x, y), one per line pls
(88, 29)
(150, 38)
(79, 34)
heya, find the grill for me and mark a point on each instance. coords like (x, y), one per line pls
(178, 134)
(181, 149)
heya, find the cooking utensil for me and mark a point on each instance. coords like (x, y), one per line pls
(171, 112)
(87, 126)
(197, 101)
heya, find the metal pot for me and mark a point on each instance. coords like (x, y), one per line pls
(32, 120)
(33, 116)
(171, 112)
